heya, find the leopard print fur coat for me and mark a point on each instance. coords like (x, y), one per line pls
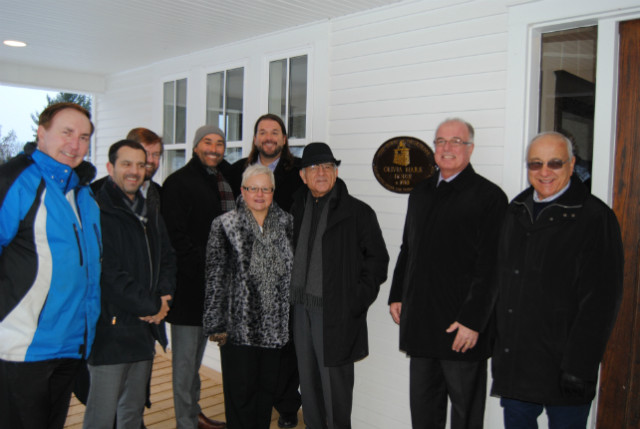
(248, 272)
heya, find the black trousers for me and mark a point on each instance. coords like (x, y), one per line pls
(249, 378)
(288, 399)
(36, 394)
(431, 381)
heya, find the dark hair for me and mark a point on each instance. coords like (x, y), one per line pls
(145, 136)
(47, 114)
(286, 157)
(113, 150)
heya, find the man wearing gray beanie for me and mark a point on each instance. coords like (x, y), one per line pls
(191, 198)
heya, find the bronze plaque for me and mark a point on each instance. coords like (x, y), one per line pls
(402, 162)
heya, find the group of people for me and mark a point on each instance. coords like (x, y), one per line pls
(276, 262)
(535, 284)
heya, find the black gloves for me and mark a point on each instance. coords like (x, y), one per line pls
(574, 387)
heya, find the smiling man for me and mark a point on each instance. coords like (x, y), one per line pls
(560, 283)
(138, 281)
(340, 261)
(442, 292)
(50, 245)
(191, 198)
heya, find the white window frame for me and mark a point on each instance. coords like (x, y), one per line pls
(264, 102)
(247, 133)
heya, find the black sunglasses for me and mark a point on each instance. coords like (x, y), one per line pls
(554, 164)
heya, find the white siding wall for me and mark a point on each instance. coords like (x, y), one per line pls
(401, 71)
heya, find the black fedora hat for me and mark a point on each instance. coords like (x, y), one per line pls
(317, 153)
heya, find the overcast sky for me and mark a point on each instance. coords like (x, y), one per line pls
(16, 106)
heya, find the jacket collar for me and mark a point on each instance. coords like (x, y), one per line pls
(572, 199)
(461, 181)
(65, 177)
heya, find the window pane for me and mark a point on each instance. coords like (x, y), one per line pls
(232, 154)
(167, 116)
(567, 93)
(278, 87)
(215, 92)
(235, 86)
(173, 160)
(181, 111)
(298, 97)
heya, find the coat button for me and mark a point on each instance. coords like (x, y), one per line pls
(516, 271)
(506, 350)
(510, 310)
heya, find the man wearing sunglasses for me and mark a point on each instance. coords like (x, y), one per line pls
(560, 282)
(442, 292)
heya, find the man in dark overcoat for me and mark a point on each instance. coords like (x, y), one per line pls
(560, 284)
(191, 198)
(339, 263)
(442, 292)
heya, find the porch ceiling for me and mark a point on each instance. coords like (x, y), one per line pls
(108, 36)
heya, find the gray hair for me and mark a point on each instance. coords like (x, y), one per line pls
(472, 132)
(256, 170)
(560, 136)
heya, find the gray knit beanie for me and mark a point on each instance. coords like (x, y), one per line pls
(206, 130)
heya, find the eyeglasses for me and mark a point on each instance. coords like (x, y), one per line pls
(324, 167)
(454, 141)
(255, 189)
(553, 164)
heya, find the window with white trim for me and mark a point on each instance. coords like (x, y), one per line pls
(224, 105)
(288, 93)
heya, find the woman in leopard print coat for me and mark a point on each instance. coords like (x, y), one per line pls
(249, 260)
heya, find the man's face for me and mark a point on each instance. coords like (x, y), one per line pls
(320, 178)
(253, 195)
(154, 152)
(129, 170)
(269, 139)
(210, 150)
(546, 181)
(452, 158)
(68, 137)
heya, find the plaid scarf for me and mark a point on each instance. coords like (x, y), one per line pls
(227, 201)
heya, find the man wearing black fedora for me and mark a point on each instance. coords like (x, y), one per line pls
(340, 261)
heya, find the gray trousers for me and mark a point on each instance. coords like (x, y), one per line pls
(120, 388)
(327, 392)
(187, 349)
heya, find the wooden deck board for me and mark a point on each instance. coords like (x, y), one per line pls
(161, 414)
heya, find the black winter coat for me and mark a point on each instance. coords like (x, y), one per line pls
(560, 280)
(446, 265)
(138, 267)
(354, 264)
(288, 180)
(190, 202)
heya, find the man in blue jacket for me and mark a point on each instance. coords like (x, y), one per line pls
(138, 281)
(50, 249)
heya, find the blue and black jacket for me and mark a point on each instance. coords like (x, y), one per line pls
(50, 250)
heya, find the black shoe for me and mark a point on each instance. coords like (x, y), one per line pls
(288, 420)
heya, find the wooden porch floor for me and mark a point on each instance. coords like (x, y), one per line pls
(161, 414)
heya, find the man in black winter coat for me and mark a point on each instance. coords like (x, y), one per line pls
(560, 284)
(137, 284)
(191, 198)
(339, 263)
(443, 292)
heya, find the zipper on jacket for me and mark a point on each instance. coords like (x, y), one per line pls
(75, 230)
(99, 238)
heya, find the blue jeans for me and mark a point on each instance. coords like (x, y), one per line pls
(524, 415)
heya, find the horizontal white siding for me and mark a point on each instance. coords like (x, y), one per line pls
(401, 71)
